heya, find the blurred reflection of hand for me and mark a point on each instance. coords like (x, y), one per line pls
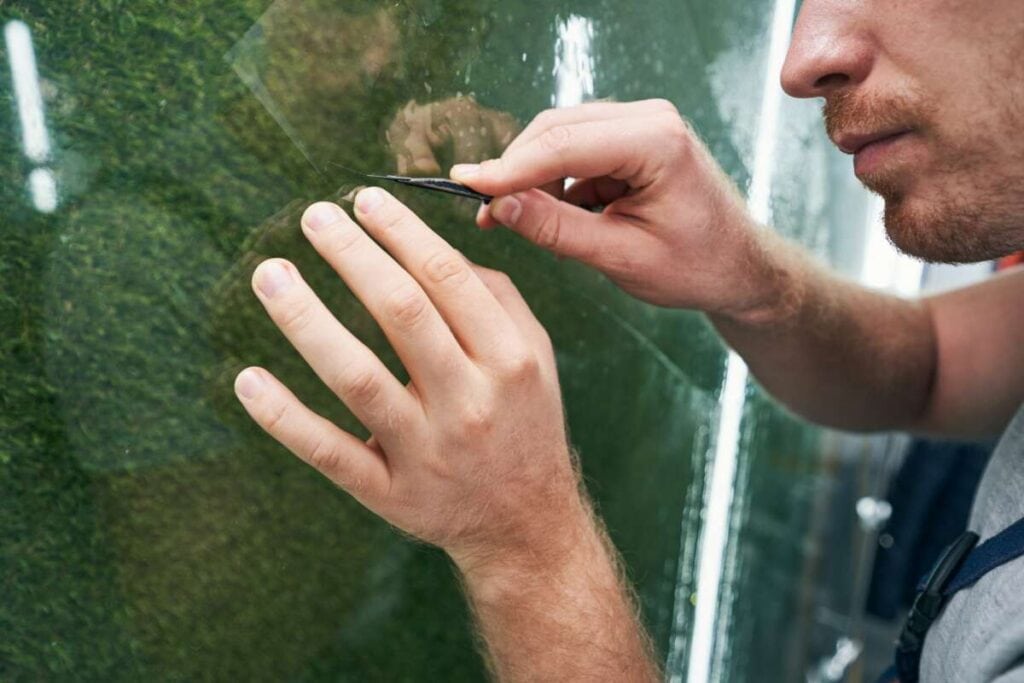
(472, 455)
(421, 135)
(651, 209)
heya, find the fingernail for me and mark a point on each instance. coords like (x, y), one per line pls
(506, 210)
(273, 278)
(320, 215)
(369, 199)
(481, 213)
(249, 383)
(465, 170)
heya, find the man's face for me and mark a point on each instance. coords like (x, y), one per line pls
(929, 97)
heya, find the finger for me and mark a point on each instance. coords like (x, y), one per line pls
(591, 192)
(338, 455)
(555, 187)
(588, 193)
(466, 304)
(589, 111)
(483, 217)
(503, 128)
(417, 157)
(421, 338)
(344, 363)
(565, 115)
(579, 150)
(560, 227)
(512, 301)
(483, 214)
(409, 138)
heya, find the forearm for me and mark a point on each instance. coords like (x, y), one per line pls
(560, 616)
(832, 351)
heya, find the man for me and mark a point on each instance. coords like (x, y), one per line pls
(472, 454)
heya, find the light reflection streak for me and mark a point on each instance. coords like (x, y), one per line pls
(714, 540)
(35, 139)
(42, 186)
(574, 62)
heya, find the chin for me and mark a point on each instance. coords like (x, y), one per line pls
(948, 231)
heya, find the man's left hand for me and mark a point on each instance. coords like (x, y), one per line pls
(472, 454)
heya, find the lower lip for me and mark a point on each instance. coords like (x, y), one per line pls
(871, 157)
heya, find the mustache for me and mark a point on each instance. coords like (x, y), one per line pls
(849, 111)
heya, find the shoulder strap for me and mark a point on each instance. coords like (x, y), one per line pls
(1005, 546)
(960, 566)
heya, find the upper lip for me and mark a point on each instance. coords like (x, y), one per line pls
(851, 143)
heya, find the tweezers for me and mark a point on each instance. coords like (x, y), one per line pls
(436, 184)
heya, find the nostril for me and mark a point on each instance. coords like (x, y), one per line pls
(833, 80)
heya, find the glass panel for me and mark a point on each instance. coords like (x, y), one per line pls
(161, 150)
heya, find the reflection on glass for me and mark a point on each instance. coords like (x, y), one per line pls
(574, 63)
(149, 530)
(43, 189)
(35, 139)
(346, 57)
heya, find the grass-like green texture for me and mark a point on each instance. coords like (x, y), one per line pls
(148, 531)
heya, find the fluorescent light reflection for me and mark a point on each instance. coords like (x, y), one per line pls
(34, 138)
(714, 536)
(42, 187)
(574, 62)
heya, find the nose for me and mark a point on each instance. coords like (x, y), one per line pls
(832, 49)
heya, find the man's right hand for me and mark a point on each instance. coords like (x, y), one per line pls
(673, 230)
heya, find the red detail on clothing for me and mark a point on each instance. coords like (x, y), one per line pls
(1010, 261)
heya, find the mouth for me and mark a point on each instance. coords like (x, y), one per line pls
(852, 143)
(874, 151)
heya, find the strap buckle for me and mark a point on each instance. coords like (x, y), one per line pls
(928, 604)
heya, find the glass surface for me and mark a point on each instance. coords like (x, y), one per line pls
(148, 529)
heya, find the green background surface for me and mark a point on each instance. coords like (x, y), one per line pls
(148, 530)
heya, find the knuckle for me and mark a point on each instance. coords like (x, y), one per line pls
(296, 317)
(323, 455)
(624, 266)
(356, 485)
(501, 280)
(495, 280)
(360, 387)
(549, 232)
(676, 146)
(475, 420)
(545, 118)
(519, 365)
(446, 266)
(406, 305)
(395, 421)
(346, 239)
(661, 104)
(557, 139)
(389, 218)
(679, 133)
(276, 418)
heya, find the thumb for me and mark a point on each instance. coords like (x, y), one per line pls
(557, 226)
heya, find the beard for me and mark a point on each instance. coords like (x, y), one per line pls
(975, 224)
(969, 208)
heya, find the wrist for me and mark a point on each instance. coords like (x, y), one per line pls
(774, 285)
(494, 571)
